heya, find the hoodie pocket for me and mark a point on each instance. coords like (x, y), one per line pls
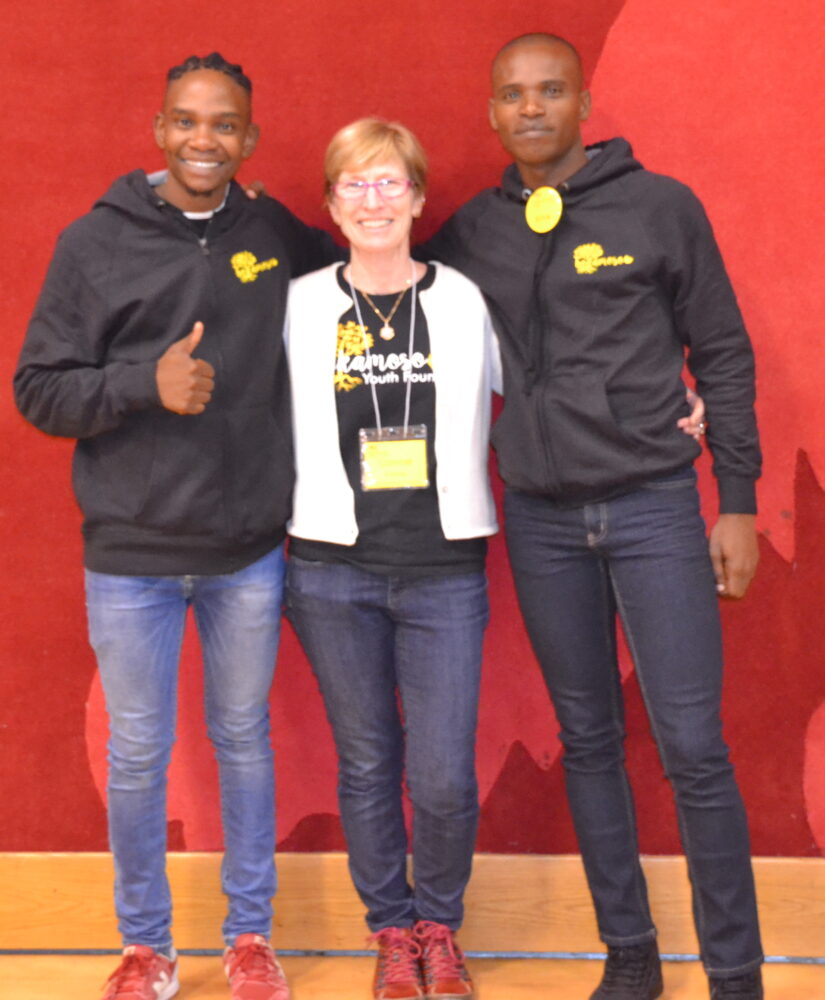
(111, 471)
(261, 477)
(586, 445)
(564, 439)
(158, 471)
(184, 491)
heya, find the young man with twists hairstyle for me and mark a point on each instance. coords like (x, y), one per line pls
(156, 342)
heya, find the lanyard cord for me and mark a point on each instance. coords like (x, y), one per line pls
(374, 394)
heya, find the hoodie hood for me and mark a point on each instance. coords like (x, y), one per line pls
(606, 161)
(133, 195)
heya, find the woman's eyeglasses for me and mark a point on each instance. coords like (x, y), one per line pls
(387, 187)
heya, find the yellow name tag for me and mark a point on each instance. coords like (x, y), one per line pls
(394, 458)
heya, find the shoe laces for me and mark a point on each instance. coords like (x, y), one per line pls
(442, 957)
(398, 954)
(626, 966)
(255, 962)
(131, 974)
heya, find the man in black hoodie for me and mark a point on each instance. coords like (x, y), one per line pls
(602, 277)
(156, 342)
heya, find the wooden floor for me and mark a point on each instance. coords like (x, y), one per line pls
(517, 903)
(72, 977)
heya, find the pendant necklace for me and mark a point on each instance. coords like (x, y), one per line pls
(386, 332)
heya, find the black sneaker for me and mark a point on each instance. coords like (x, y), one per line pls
(747, 987)
(631, 972)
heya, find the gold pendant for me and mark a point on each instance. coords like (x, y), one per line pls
(386, 333)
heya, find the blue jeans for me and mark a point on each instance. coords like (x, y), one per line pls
(645, 556)
(136, 628)
(375, 641)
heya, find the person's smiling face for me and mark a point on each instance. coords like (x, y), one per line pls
(374, 223)
(205, 131)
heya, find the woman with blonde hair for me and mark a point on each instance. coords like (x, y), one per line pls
(392, 365)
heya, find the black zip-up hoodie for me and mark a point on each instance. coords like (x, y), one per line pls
(595, 319)
(164, 494)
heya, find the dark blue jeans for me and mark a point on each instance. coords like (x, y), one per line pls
(645, 556)
(398, 662)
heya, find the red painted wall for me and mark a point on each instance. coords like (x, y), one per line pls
(723, 96)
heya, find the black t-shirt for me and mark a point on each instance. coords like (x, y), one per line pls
(399, 531)
(200, 226)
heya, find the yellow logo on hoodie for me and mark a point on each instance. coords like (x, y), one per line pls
(247, 267)
(589, 257)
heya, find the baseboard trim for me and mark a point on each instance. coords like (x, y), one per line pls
(517, 906)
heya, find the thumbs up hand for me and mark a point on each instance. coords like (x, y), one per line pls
(185, 383)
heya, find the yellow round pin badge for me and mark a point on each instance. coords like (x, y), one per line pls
(543, 209)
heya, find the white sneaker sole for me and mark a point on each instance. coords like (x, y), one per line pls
(170, 989)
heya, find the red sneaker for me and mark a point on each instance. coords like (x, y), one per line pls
(397, 972)
(253, 971)
(442, 962)
(143, 975)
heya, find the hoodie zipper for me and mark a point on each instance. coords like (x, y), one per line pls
(538, 324)
(539, 329)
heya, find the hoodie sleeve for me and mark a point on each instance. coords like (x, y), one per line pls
(63, 383)
(309, 248)
(446, 245)
(720, 355)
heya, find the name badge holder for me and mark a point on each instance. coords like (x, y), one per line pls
(392, 458)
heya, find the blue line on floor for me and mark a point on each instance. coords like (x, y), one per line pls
(553, 956)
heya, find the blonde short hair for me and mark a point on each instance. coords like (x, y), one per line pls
(371, 139)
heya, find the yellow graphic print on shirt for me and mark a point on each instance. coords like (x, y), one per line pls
(589, 257)
(247, 267)
(378, 369)
(352, 340)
